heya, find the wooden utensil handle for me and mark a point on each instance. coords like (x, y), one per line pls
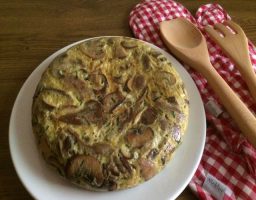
(235, 107)
(248, 76)
(251, 83)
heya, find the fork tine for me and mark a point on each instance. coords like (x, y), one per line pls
(234, 26)
(213, 34)
(223, 29)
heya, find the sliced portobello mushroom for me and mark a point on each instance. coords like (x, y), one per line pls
(55, 98)
(98, 81)
(164, 78)
(146, 62)
(149, 116)
(73, 118)
(67, 139)
(113, 170)
(65, 144)
(124, 118)
(86, 167)
(176, 133)
(120, 52)
(129, 44)
(102, 148)
(126, 164)
(77, 85)
(119, 164)
(112, 100)
(148, 169)
(92, 113)
(137, 83)
(137, 138)
(93, 49)
(165, 106)
(164, 124)
(122, 164)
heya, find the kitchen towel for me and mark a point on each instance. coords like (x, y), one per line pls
(228, 166)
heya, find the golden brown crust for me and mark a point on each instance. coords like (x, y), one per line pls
(109, 112)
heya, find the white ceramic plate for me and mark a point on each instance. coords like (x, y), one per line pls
(44, 183)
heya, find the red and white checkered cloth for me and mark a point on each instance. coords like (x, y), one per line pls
(228, 156)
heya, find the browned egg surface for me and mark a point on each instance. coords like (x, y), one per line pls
(109, 113)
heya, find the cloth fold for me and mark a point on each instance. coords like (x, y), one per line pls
(228, 156)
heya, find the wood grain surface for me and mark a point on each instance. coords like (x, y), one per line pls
(30, 31)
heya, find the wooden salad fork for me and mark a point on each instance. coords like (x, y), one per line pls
(233, 41)
(188, 44)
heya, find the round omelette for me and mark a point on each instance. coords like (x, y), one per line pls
(109, 112)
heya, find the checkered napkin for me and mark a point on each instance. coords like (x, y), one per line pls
(228, 166)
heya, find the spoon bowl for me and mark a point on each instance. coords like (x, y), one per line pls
(182, 27)
(188, 44)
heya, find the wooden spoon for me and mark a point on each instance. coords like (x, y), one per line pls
(187, 43)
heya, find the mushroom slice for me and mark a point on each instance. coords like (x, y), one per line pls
(168, 148)
(165, 78)
(67, 109)
(86, 167)
(120, 52)
(180, 117)
(96, 49)
(66, 141)
(112, 100)
(113, 170)
(164, 124)
(123, 116)
(148, 169)
(149, 116)
(126, 164)
(122, 164)
(129, 44)
(146, 62)
(102, 148)
(93, 49)
(55, 98)
(137, 83)
(138, 138)
(73, 118)
(98, 81)
(119, 165)
(91, 113)
(78, 85)
(176, 133)
(65, 144)
(165, 106)
(155, 53)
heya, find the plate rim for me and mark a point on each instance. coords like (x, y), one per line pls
(58, 52)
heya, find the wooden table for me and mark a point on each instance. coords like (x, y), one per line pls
(30, 31)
